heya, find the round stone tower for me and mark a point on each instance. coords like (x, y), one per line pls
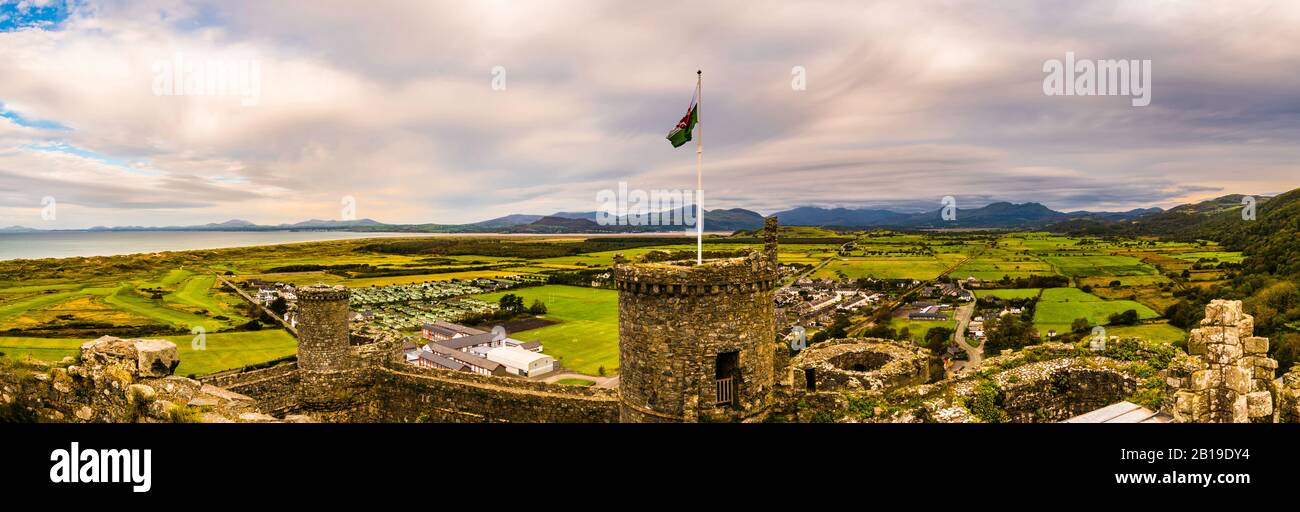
(323, 328)
(696, 341)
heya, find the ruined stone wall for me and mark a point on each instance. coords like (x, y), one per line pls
(1061, 389)
(118, 381)
(409, 394)
(1288, 407)
(275, 388)
(1227, 376)
(857, 364)
(673, 322)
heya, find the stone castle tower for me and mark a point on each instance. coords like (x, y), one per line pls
(696, 341)
(323, 336)
(327, 365)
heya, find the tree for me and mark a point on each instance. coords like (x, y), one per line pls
(936, 338)
(1286, 350)
(1128, 317)
(1007, 332)
(538, 308)
(838, 329)
(880, 331)
(279, 306)
(511, 303)
(1080, 325)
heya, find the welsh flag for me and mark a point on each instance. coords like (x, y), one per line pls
(681, 134)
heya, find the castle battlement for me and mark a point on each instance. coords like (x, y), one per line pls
(321, 292)
(696, 340)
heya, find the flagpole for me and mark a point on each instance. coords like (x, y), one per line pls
(699, 170)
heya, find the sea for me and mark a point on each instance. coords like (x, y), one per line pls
(66, 244)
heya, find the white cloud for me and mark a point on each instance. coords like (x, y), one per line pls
(391, 104)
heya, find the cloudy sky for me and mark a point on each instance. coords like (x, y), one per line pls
(399, 105)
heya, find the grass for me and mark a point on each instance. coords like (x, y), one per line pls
(224, 351)
(1009, 293)
(1058, 308)
(884, 267)
(1153, 332)
(1099, 265)
(917, 329)
(586, 335)
(126, 298)
(576, 382)
(1223, 256)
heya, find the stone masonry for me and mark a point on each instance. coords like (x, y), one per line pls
(120, 381)
(695, 341)
(1227, 376)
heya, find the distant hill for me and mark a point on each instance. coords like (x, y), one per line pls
(1003, 215)
(507, 221)
(317, 223)
(18, 229)
(1210, 219)
(844, 217)
(714, 220)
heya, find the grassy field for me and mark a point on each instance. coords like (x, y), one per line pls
(918, 328)
(1058, 308)
(1099, 265)
(576, 382)
(1154, 332)
(586, 335)
(884, 267)
(1009, 293)
(224, 351)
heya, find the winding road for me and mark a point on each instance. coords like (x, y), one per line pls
(976, 353)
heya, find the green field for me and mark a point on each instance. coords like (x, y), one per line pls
(918, 328)
(1099, 265)
(1058, 308)
(224, 351)
(1222, 256)
(884, 267)
(1009, 293)
(586, 337)
(1153, 332)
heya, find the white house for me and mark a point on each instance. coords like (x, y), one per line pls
(522, 362)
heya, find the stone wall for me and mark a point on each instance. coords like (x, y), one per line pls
(1060, 389)
(408, 393)
(674, 320)
(275, 388)
(858, 364)
(1227, 376)
(1288, 408)
(118, 381)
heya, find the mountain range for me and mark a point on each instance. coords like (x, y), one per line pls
(1189, 220)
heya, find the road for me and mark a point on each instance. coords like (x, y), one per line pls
(250, 300)
(976, 353)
